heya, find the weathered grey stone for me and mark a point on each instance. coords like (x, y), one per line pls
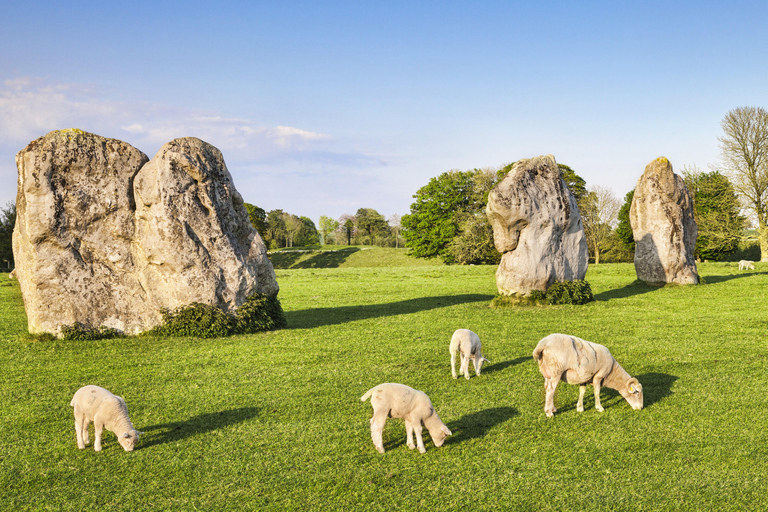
(195, 242)
(537, 228)
(663, 226)
(105, 237)
(73, 233)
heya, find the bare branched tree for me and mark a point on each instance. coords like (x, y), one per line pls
(599, 210)
(744, 156)
(394, 224)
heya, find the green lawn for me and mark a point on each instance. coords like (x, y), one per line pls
(274, 422)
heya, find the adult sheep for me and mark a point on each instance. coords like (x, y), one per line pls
(577, 361)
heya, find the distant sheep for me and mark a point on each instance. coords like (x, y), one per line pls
(12, 275)
(746, 264)
(105, 410)
(400, 401)
(576, 361)
(467, 344)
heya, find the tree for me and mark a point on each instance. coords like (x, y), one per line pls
(327, 226)
(440, 206)
(576, 183)
(307, 234)
(474, 243)
(258, 218)
(7, 222)
(293, 225)
(624, 228)
(716, 211)
(744, 156)
(275, 231)
(372, 223)
(394, 224)
(347, 226)
(599, 210)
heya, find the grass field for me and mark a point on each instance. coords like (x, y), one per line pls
(274, 422)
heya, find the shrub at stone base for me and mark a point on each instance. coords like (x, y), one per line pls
(576, 292)
(79, 332)
(259, 312)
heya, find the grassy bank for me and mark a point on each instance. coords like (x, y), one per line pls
(273, 421)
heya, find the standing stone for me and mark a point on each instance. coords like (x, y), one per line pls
(663, 226)
(195, 242)
(104, 237)
(73, 233)
(537, 228)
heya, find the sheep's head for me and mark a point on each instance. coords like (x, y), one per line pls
(128, 440)
(633, 393)
(439, 434)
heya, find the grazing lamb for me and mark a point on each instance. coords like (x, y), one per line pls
(576, 361)
(400, 401)
(97, 405)
(468, 345)
(746, 264)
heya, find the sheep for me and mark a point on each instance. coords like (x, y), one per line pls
(97, 405)
(468, 345)
(12, 275)
(576, 361)
(400, 401)
(746, 265)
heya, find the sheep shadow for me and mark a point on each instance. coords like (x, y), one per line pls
(656, 387)
(477, 424)
(317, 317)
(497, 367)
(178, 430)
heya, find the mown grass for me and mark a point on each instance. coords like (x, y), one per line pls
(273, 421)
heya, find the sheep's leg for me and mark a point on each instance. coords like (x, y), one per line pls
(596, 385)
(419, 440)
(409, 432)
(550, 385)
(377, 427)
(580, 404)
(477, 361)
(98, 428)
(79, 420)
(465, 366)
(453, 365)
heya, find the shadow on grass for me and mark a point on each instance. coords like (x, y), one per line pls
(175, 431)
(722, 279)
(636, 288)
(319, 259)
(656, 387)
(477, 424)
(311, 318)
(497, 367)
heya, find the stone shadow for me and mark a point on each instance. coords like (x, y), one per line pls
(177, 430)
(317, 317)
(497, 367)
(477, 424)
(319, 259)
(728, 277)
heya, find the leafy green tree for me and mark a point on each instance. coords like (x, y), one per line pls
(439, 207)
(327, 226)
(276, 233)
(716, 210)
(474, 243)
(7, 222)
(624, 228)
(372, 223)
(576, 183)
(307, 234)
(258, 217)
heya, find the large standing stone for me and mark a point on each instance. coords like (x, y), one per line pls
(663, 226)
(105, 238)
(537, 228)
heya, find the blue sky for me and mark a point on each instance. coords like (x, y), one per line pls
(321, 108)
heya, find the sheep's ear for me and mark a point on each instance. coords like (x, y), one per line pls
(126, 434)
(486, 360)
(446, 431)
(634, 386)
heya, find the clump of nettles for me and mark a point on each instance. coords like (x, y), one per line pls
(258, 313)
(80, 332)
(566, 292)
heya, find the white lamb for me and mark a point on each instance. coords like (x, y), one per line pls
(400, 401)
(576, 361)
(467, 344)
(97, 405)
(746, 264)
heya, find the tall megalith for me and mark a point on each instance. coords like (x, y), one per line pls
(536, 227)
(663, 226)
(106, 237)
